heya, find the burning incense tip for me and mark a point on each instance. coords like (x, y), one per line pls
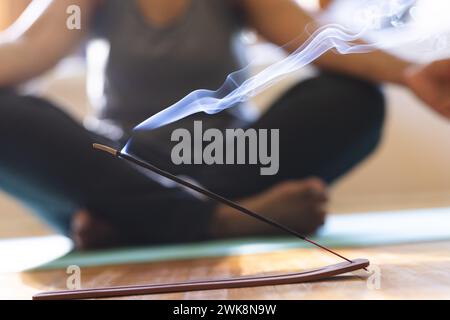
(104, 148)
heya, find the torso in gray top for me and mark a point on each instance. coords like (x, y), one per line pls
(149, 68)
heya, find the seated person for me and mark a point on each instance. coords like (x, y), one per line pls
(159, 51)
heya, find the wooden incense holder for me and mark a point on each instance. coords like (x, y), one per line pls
(239, 282)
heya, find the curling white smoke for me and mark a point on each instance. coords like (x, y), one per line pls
(323, 40)
(233, 92)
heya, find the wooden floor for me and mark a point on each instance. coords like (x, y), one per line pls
(420, 271)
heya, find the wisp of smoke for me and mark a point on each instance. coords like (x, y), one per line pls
(233, 92)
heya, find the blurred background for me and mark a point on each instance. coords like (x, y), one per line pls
(411, 169)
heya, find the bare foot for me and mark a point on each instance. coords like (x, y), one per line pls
(90, 232)
(299, 205)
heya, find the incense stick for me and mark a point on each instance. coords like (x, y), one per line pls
(211, 195)
(240, 282)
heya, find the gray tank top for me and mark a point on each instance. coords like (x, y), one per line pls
(148, 68)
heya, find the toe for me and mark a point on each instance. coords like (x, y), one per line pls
(90, 232)
(312, 189)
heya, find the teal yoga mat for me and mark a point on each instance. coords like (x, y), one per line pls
(353, 230)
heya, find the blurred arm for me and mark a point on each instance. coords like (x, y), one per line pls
(281, 21)
(39, 39)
